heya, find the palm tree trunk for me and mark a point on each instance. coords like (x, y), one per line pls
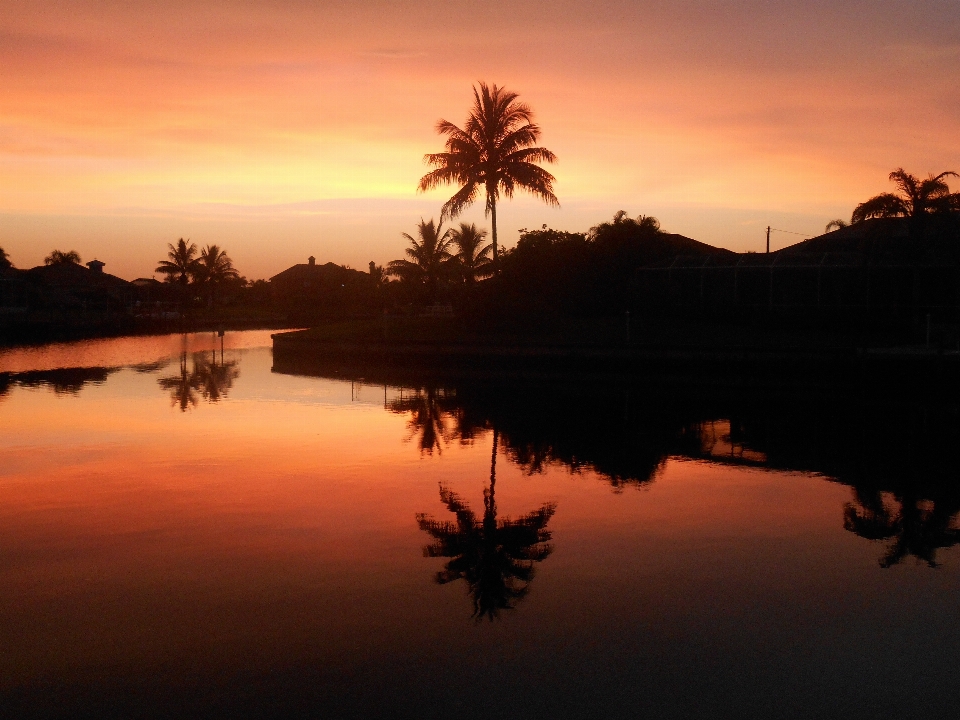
(493, 223)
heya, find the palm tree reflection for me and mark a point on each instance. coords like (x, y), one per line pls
(429, 411)
(914, 526)
(208, 379)
(494, 556)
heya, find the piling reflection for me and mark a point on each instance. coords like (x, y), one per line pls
(496, 557)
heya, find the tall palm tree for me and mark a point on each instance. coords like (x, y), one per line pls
(429, 256)
(59, 257)
(473, 258)
(214, 268)
(915, 198)
(495, 152)
(182, 265)
(495, 557)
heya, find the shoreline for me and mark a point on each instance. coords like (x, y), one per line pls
(907, 366)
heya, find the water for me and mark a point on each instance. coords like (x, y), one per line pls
(187, 530)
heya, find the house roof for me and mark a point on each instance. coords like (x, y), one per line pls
(330, 272)
(74, 276)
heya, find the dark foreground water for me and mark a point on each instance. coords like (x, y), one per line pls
(188, 532)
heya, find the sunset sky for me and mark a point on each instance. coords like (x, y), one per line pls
(293, 127)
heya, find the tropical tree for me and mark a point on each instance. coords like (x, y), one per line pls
(915, 198)
(182, 265)
(378, 276)
(495, 152)
(59, 257)
(495, 557)
(472, 257)
(214, 268)
(429, 256)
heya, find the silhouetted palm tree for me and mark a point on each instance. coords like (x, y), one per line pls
(59, 257)
(214, 268)
(182, 265)
(495, 557)
(378, 276)
(916, 198)
(495, 153)
(429, 256)
(182, 387)
(473, 257)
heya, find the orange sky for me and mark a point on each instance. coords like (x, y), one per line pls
(283, 129)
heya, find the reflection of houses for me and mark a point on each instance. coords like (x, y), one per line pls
(314, 290)
(883, 268)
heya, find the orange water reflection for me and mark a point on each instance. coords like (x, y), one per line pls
(274, 534)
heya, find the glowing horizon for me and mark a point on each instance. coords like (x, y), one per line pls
(290, 129)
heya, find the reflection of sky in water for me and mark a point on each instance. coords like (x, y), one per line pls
(270, 541)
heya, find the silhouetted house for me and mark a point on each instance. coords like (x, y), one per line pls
(308, 290)
(69, 285)
(881, 268)
(14, 291)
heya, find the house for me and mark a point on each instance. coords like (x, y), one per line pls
(71, 285)
(308, 291)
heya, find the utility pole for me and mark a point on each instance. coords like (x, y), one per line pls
(768, 239)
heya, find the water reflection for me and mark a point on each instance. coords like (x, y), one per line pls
(911, 525)
(430, 410)
(208, 377)
(896, 452)
(63, 381)
(494, 556)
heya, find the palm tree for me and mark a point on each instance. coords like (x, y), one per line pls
(473, 260)
(495, 152)
(429, 256)
(213, 268)
(494, 556)
(182, 265)
(916, 198)
(59, 257)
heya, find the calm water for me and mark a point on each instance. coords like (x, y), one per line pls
(188, 531)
